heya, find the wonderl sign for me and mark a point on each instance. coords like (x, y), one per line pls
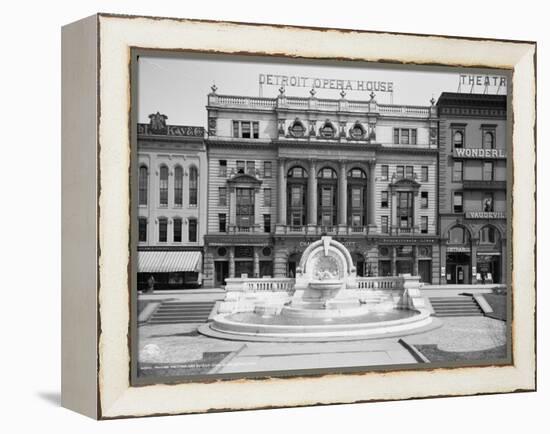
(478, 153)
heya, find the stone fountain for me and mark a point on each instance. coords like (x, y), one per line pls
(323, 303)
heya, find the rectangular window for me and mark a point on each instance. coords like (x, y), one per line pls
(296, 219)
(267, 196)
(400, 171)
(405, 209)
(222, 222)
(222, 196)
(222, 168)
(236, 133)
(404, 137)
(245, 207)
(326, 219)
(488, 204)
(409, 172)
(251, 168)
(356, 197)
(296, 196)
(267, 169)
(458, 137)
(424, 224)
(424, 174)
(245, 130)
(240, 166)
(385, 172)
(177, 230)
(457, 202)
(356, 220)
(326, 197)
(384, 225)
(413, 137)
(255, 130)
(424, 199)
(487, 170)
(163, 230)
(267, 223)
(142, 230)
(396, 136)
(457, 171)
(192, 231)
(384, 200)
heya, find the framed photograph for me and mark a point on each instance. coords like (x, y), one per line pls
(263, 216)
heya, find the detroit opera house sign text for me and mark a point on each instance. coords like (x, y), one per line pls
(324, 83)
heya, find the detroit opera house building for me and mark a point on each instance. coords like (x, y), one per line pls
(272, 175)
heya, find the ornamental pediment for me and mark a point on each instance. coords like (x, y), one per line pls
(244, 178)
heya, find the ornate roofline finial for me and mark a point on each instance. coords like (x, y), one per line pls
(343, 93)
(282, 90)
(312, 92)
(214, 88)
(372, 95)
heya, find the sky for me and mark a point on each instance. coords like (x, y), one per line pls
(178, 86)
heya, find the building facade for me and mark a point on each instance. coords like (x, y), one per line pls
(283, 171)
(171, 199)
(472, 188)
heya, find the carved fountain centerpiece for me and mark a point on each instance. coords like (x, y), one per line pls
(325, 304)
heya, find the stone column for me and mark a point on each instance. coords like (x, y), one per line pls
(232, 206)
(312, 194)
(393, 262)
(281, 189)
(231, 261)
(473, 261)
(371, 196)
(342, 195)
(415, 261)
(443, 263)
(256, 262)
(257, 224)
(503, 262)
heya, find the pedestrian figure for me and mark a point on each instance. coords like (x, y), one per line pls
(150, 284)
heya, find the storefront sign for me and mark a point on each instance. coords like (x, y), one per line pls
(460, 249)
(485, 215)
(408, 240)
(345, 243)
(478, 153)
(324, 83)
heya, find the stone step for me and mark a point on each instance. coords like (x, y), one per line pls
(182, 312)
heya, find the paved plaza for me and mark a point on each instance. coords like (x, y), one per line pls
(179, 349)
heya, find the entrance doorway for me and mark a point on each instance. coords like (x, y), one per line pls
(244, 267)
(458, 268)
(293, 261)
(488, 268)
(425, 270)
(221, 272)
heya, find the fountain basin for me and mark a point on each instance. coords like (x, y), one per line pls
(326, 288)
(282, 328)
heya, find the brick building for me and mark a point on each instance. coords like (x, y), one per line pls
(472, 188)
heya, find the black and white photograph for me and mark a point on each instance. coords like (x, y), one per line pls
(294, 216)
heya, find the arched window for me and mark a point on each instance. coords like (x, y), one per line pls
(359, 262)
(163, 186)
(193, 185)
(178, 186)
(458, 235)
(327, 173)
(297, 172)
(142, 229)
(488, 235)
(357, 173)
(143, 183)
(296, 196)
(458, 139)
(488, 140)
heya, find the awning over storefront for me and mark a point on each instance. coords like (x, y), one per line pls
(165, 262)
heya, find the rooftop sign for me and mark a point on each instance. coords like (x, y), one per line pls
(324, 83)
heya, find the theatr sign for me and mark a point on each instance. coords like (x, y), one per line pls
(324, 83)
(478, 153)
